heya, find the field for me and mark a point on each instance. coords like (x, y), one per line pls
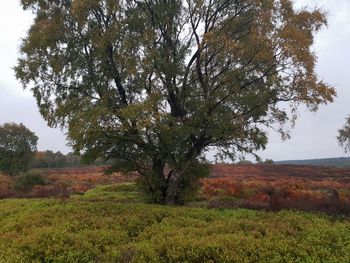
(276, 187)
(63, 182)
(261, 187)
(112, 224)
(100, 218)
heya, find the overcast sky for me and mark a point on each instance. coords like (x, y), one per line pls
(313, 137)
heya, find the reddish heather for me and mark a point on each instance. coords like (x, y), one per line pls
(276, 187)
(65, 181)
(263, 186)
(5, 183)
(276, 171)
(79, 180)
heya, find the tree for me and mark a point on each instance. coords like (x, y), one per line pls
(17, 148)
(156, 84)
(344, 135)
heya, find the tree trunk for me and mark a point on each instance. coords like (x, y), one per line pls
(174, 187)
(155, 183)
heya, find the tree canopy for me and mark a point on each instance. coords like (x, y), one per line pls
(344, 135)
(156, 84)
(17, 147)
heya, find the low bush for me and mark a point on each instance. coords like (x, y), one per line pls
(28, 180)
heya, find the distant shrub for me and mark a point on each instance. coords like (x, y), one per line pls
(269, 161)
(190, 182)
(28, 180)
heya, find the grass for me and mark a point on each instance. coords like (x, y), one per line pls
(113, 224)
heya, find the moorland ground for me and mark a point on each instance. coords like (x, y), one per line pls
(113, 222)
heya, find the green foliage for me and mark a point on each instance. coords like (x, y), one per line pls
(153, 187)
(152, 84)
(17, 147)
(189, 182)
(102, 227)
(124, 193)
(28, 180)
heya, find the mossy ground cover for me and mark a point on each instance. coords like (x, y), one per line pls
(113, 224)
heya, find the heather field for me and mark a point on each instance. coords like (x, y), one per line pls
(261, 187)
(63, 182)
(113, 224)
(243, 213)
(277, 187)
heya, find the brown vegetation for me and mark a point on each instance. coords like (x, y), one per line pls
(263, 186)
(276, 187)
(64, 182)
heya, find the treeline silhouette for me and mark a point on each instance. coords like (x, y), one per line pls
(50, 159)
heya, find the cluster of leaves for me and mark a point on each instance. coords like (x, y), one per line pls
(118, 227)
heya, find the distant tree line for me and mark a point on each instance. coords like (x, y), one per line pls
(50, 159)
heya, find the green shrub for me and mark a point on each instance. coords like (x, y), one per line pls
(28, 180)
(156, 190)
